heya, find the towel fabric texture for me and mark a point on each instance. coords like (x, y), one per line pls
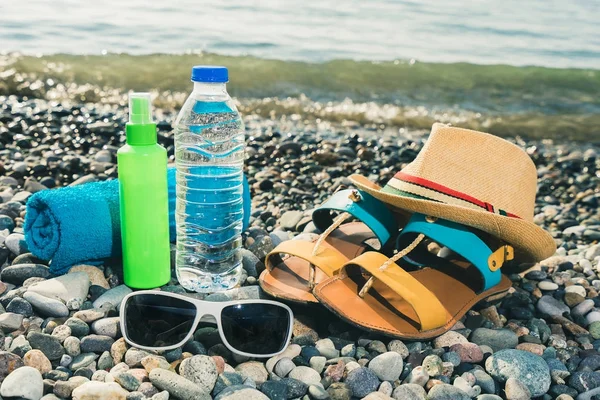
(78, 224)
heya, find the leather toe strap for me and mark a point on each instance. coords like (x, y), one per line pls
(431, 313)
(326, 258)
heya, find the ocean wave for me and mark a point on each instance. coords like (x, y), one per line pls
(506, 100)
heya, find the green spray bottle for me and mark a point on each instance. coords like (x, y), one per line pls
(143, 196)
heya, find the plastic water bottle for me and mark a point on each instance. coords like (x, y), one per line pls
(209, 153)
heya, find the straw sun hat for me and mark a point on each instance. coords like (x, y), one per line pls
(475, 179)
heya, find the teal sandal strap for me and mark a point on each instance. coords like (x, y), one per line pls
(464, 242)
(361, 206)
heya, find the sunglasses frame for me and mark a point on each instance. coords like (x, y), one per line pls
(204, 308)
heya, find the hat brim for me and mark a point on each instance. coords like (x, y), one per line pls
(531, 241)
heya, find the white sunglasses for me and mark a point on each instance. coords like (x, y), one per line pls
(155, 320)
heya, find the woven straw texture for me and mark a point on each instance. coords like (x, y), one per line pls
(482, 166)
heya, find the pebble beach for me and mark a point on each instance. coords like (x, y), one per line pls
(540, 341)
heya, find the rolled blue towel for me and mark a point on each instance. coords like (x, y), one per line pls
(78, 224)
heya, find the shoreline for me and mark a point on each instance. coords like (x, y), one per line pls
(294, 164)
(532, 102)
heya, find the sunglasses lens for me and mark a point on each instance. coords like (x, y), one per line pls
(153, 320)
(256, 328)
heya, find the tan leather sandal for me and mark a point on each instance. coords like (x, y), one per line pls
(374, 293)
(294, 267)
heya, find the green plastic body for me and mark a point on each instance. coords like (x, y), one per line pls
(144, 209)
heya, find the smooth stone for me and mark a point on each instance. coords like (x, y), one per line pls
(496, 339)
(95, 275)
(36, 359)
(10, 321)
(387, 366)
(339, 391)
(49, 345)
(448, 339)
(516, 390)
(586, 395)
(107, 327)
(317, 392)
(19, 346)
(306, 374)
(20, 306)
(105, 361)
(127, 381)
(254, 370)
(275, 390)
(113, 296)
(583, 308)
(444, 391)
(13, 385)
(484, 381)
(580, 290)
(528, 368)
(96, 343)
(584, 381)
(318, 363)
(409, 391)
(240, 392)
(83, 360)
(78, 327)
(15, 242)
(295, 388)
(8, 363)
(45, 306)
(99, 391)
(176, 385)
(290, 219)
(89, 316)
(418, 376)
(72, 346)
(18, 273)
(399, 347)
(377, 396)
(433, 365)
(285, 366)
(362, 381)
(151, 362)
(548, 305)
(202, 370)
(133, 356)
(594, 329)
(547, 286)
(65, 287)
(488, 397)
(593, 316)
(468, 352)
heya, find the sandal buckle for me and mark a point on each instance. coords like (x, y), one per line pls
(355, 196)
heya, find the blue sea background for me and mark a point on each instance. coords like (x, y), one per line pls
(508, 67)
(547, 33)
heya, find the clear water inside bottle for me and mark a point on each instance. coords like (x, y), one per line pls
(209, 153)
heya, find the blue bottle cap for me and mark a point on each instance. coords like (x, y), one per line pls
(210, 73)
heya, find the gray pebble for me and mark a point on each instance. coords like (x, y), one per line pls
(49, 345)
(201, 370)
(45, 306)
(387, 366)
(176, 385)
(548, 305)
(528, 368)
(362, 381)
(496, 339)
(444, 391)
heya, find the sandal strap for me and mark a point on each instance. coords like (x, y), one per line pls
(464, 242)
(361, 206)
(327, 258)
(432, 314)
